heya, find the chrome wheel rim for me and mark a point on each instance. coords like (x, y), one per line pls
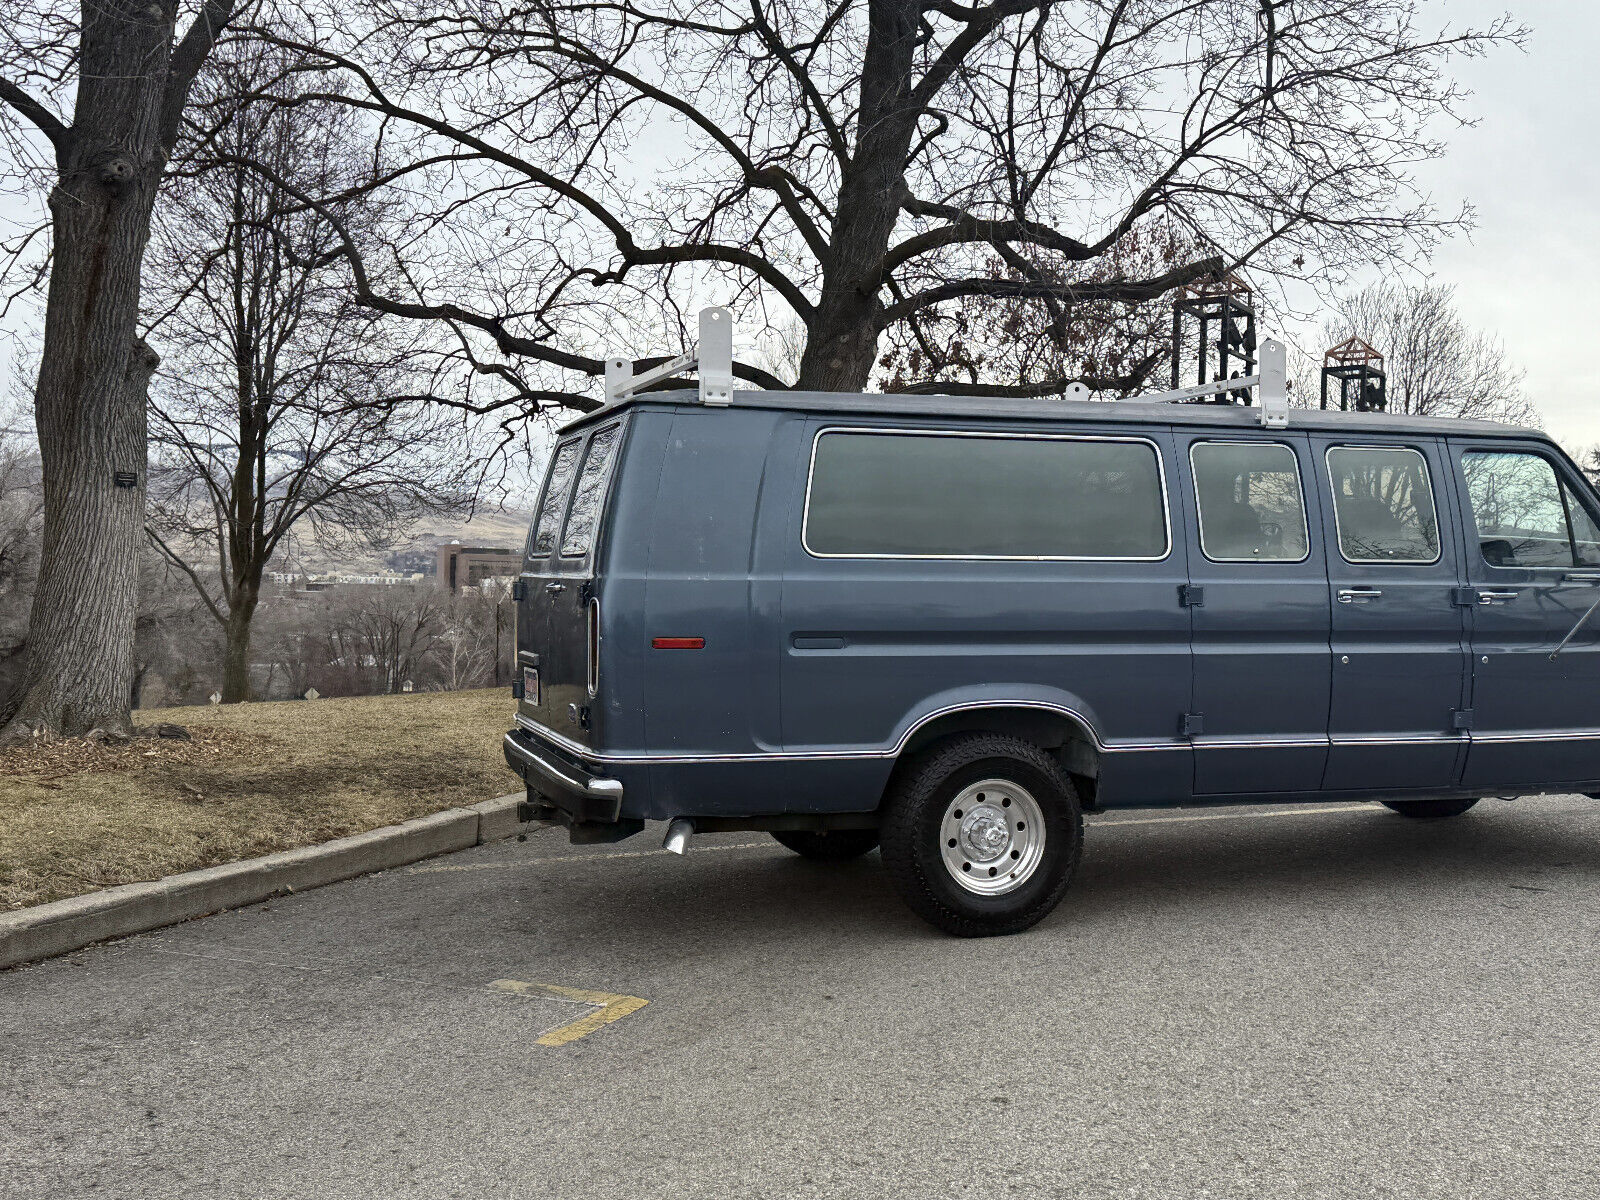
(992, 837)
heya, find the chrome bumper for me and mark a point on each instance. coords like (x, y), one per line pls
(566, 784)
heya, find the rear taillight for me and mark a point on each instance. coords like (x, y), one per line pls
(594, 646)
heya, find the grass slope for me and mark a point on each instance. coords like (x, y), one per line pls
(256, 778)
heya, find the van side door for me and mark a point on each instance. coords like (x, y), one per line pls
(1259, 603)
(1397, 715)
(1533, 571)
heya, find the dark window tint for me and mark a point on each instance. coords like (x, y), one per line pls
(932, 496)
(590, 494)
(1251, 507)
(1383, 504)
(556, 486)
(1526, 516)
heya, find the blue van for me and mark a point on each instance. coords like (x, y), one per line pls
(947, 625)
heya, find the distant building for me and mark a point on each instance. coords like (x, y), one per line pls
(470, 566)
(307, 581)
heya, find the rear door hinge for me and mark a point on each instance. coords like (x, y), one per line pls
(519, 590)
(1465, 597)
(1461, 719)
(1191, 595)
(1191, 724)
(585, 592)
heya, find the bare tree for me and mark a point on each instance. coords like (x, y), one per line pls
(1435, 363)
(382, 635)
(126, 72)
(857, 166)
(21, 510)
(274, 411)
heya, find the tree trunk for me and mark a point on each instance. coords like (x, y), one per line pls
(236, 659)
(93, 378)
(842, 338)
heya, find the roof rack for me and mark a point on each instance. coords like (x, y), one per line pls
(713, 359)
(1271, 382)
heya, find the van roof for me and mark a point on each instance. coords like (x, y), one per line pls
(1046, 410)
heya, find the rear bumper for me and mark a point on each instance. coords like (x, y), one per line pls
(563, 781)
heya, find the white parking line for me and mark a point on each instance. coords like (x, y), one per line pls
(1311, 810)
(561, 858)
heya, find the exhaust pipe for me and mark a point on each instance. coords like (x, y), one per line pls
(678, 835)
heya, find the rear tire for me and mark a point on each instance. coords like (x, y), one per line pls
(834, 845)
(981, 835)
(1429, 810)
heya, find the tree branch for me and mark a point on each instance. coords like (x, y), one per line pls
(1124, 291)
(187, 58)
(40, 117)
(171, 556)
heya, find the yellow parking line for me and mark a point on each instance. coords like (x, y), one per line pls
(1309, 811)
(610, 1008)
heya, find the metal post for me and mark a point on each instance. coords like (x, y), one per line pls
(715, 353)
(1272, 395)
(1177, 341)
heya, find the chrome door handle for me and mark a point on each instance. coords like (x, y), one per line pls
(553, 588)
(1358, 595)
(1497, 597)
(1581, 577)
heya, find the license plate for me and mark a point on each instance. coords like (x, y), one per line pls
(530, 685)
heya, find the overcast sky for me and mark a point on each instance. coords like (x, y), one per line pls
(1531, 271)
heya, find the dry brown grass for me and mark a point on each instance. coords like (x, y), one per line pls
(256, 778)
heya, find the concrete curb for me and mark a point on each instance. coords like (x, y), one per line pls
(64, 925)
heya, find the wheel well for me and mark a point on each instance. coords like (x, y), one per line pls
(1060, 735)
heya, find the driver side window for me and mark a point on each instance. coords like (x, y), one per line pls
(1526, 515)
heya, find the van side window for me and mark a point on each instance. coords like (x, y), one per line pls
(556, 486)
(959, 495)
(1526, 515)
(587, 499)
(1250, 503)
(1383, 504)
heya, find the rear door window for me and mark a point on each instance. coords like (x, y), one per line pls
(553, 504)
(1526, 515)
(906, 494)
(1250, 502)
(589, 497)
(1383, 504)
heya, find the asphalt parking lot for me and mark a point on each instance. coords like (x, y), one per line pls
(1236, 1003)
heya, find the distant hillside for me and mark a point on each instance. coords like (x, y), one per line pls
(415, 551)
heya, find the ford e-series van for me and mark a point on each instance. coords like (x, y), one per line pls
(949, 625)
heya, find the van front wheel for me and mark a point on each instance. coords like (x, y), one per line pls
(981, 835)
(834, 845)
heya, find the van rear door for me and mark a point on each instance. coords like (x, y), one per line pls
(556, 617)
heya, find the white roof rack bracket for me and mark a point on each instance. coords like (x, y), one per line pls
(1270, 382)
(1272, 396)
(716, 356)
(713, 358)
